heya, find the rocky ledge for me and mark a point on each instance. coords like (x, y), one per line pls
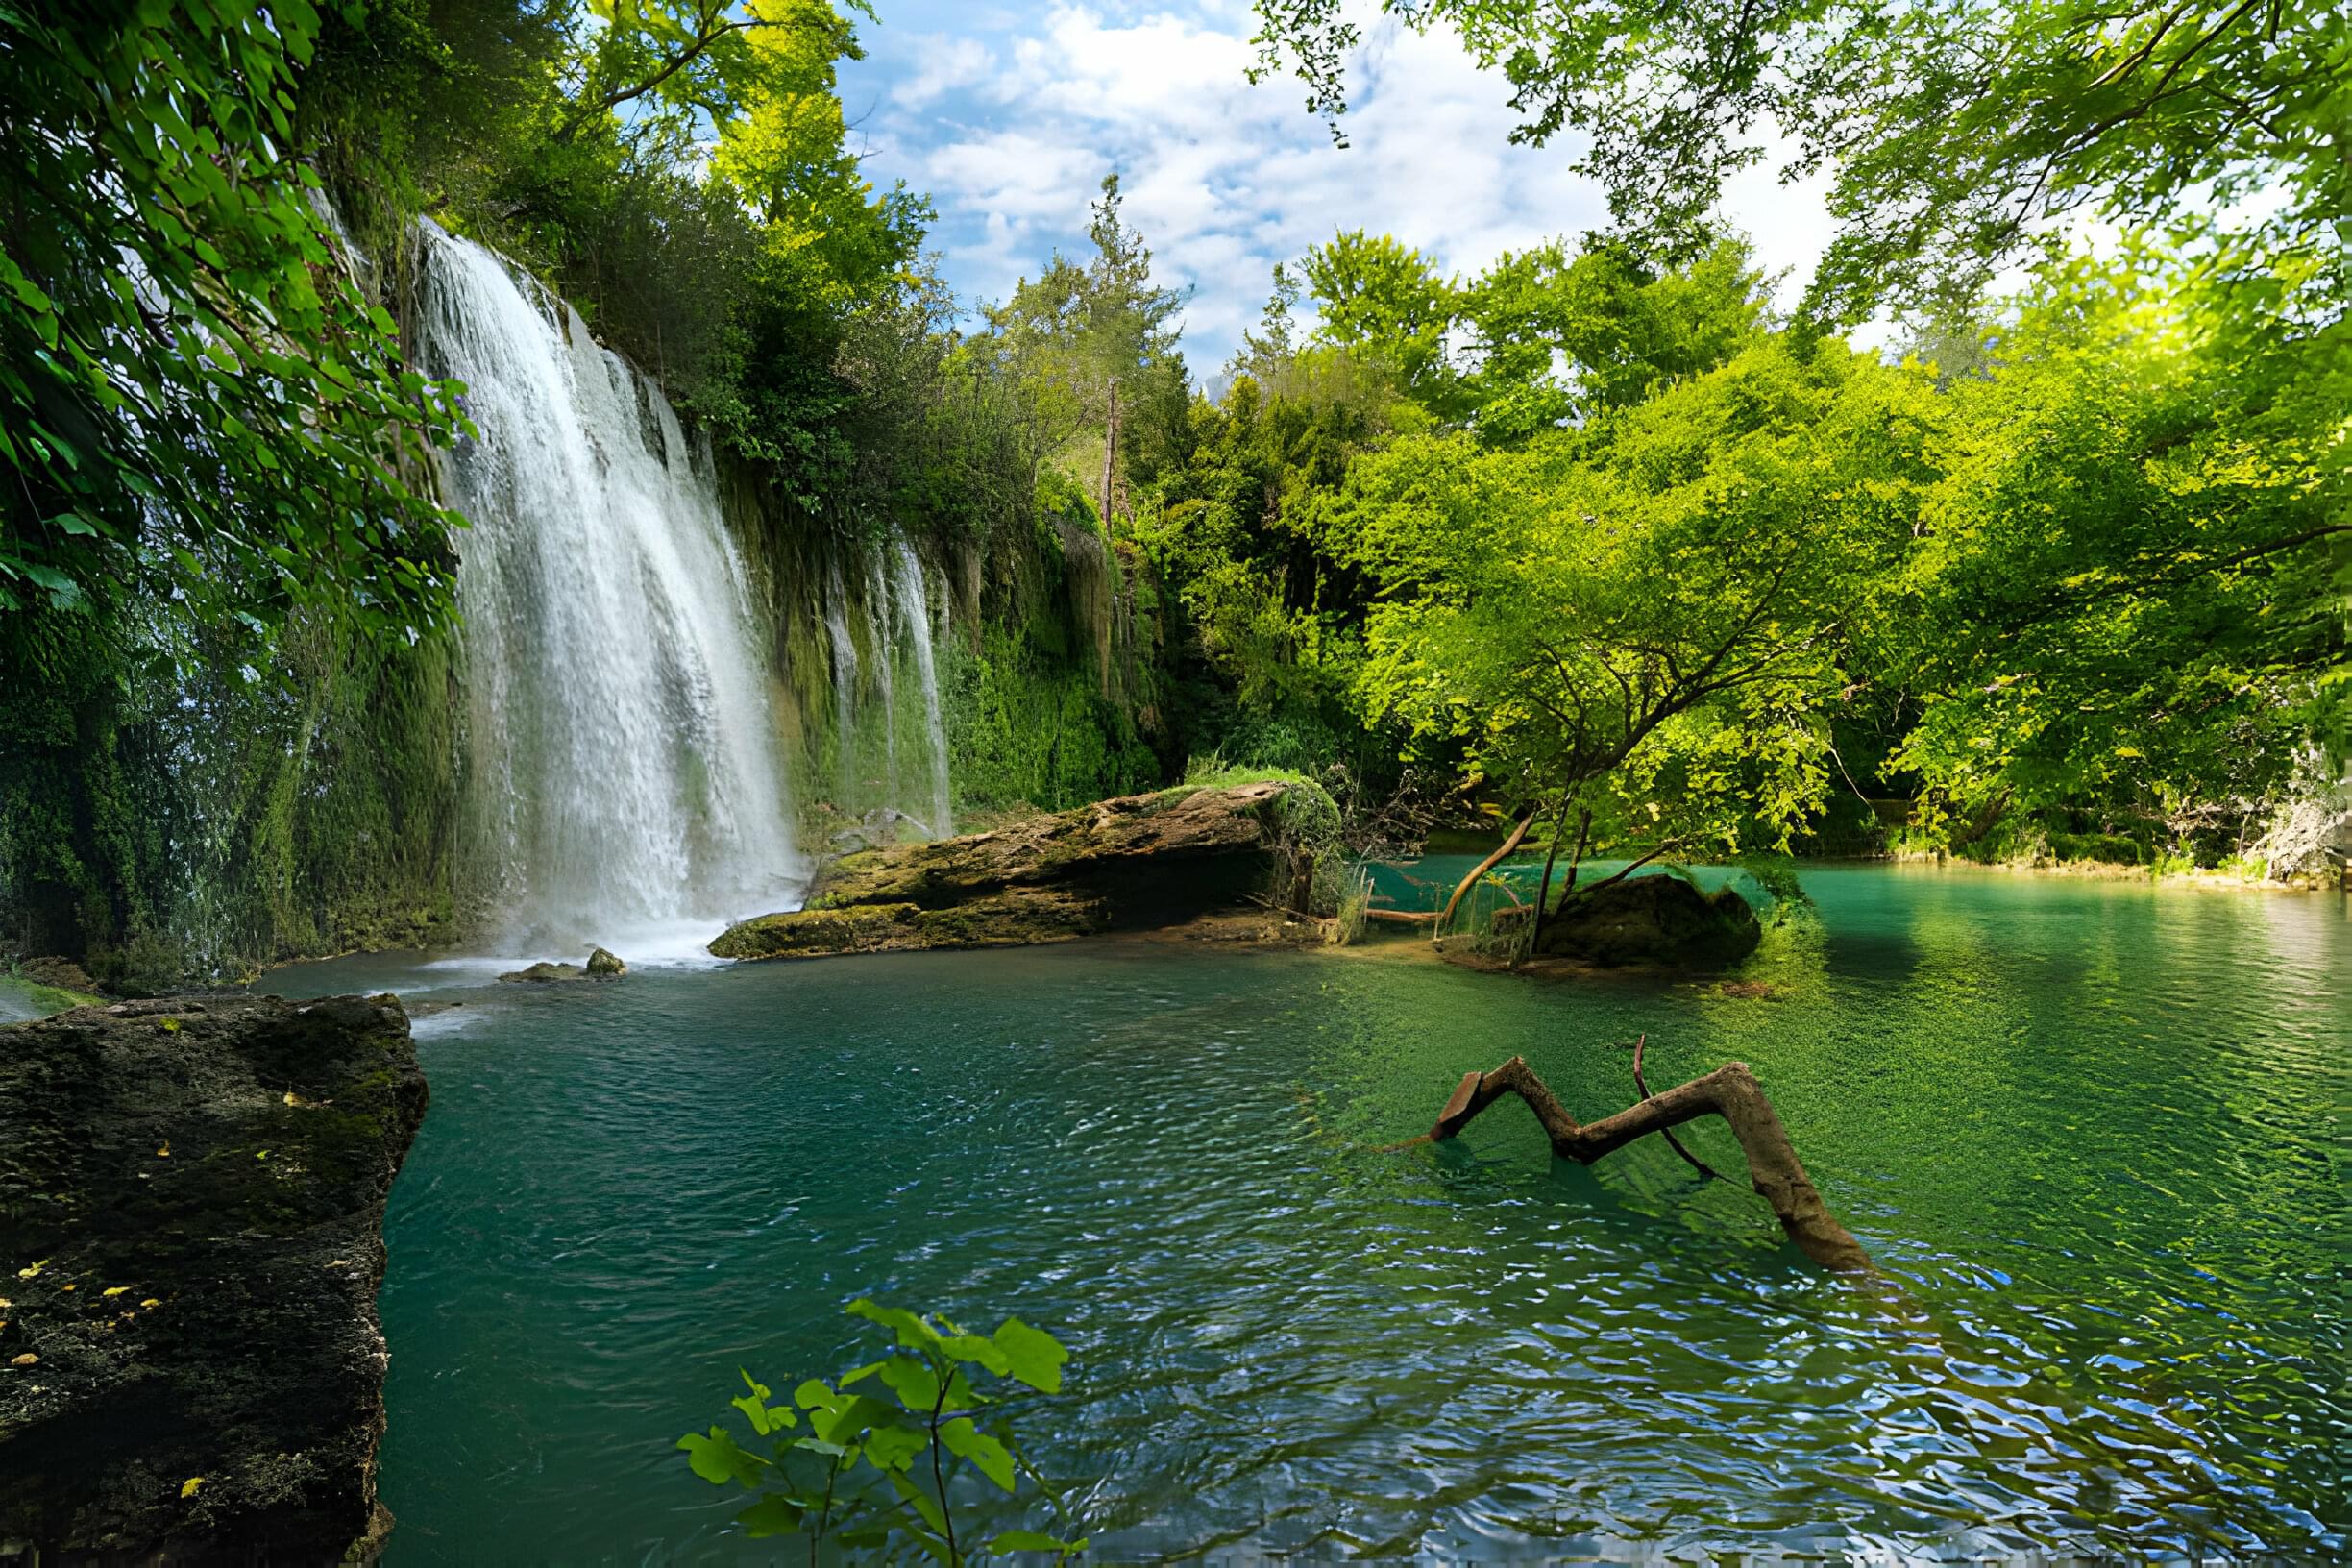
(1142, 861)
(191, 1199)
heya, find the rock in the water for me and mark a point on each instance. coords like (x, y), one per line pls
(1135, 863)
(1656, 919)
(539, 973)
(191, 1201)
(601, 965)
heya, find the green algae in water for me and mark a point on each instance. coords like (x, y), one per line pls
(2087, 1125)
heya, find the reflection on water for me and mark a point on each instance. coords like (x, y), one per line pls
(2087, 1125)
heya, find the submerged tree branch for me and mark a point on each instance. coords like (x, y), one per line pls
(1731, 1091)
(1672, 1142)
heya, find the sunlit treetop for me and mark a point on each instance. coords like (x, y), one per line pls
(1952, 128)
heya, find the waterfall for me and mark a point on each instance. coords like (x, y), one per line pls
(878, 619)
(914, 604)
(622, 761)
(896, 613)
(845, 680)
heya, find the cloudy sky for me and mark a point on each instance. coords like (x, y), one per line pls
(1009, 115)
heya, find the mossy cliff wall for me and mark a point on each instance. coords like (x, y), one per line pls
(1043, 684)
(177, 804)
(180, 813)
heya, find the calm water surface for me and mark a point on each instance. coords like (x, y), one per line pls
(2089, 1126)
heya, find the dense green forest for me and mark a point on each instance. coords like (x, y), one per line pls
(1608, 533)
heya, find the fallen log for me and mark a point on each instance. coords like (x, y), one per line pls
(1731, 1091)
(1403, 917)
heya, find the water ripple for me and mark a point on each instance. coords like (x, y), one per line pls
(2087, 1126)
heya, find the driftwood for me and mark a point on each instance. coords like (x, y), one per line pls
(1731, 1091)
(1672, 1142)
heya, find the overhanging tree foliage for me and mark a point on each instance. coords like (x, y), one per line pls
(198, 408)
(1951, 130)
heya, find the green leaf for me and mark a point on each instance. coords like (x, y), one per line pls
(890, 1449)
(770, 1516)
(914, 1381)
(1032, 1355)
(763, 1418)
(846, 1420)
(977, 1350)
(913, 1332)
(988, 1456)
(717, 1459)
(1031, 1540)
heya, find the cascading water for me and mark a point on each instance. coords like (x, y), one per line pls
(914, 605)
(845, 678)
(893, 614)
(622, 753)
(878, 620)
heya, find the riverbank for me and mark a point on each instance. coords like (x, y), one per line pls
(2109, 870)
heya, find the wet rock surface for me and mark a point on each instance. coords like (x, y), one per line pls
(1141, 862)
(191, 1200)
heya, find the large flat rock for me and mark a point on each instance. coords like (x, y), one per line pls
(191, 1201)
(1137, 863)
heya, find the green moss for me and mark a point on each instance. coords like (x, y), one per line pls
(1030, 725)
(203, 809)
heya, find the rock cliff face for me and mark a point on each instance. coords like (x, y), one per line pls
(1140, 862)
(191, 1198)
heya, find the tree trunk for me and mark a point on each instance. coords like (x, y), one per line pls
(1731, 1091)
(1110, 457)
(1543, 892)
(1446, 919)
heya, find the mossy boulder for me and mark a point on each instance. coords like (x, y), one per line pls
(1135, 863)
(1660, 920)
(191, 1368)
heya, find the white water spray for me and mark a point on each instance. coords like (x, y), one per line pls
(622, 753)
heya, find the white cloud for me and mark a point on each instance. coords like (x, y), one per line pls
(1011, 135)
(944, 63)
